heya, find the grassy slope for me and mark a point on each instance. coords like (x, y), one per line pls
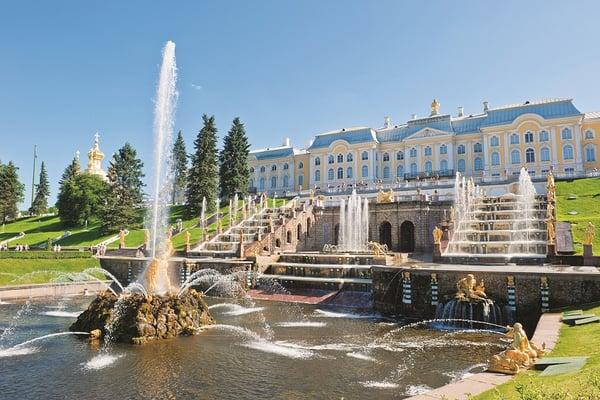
(21, 271)
(584, 384)
(587, 206)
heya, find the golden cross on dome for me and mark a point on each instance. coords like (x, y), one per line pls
(435, 107)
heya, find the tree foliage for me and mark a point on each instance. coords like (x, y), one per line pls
(179, 170)
(203, 175)
(234, 172)
(81, 198)
(40, 201)
(11, 191)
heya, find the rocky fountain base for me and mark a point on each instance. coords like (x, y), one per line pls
(137, 319)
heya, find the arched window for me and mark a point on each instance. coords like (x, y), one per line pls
(330, 174)
(261, 184)
(494, 141)
(400, 155)
(330, 159)
(568, 152)
(273, 182)
(545, 154)
(301, 180)
(286, 166)
(444, 165)
(427, 151)
(413, 152)
(365, 155)
(251, 183)
(262, 169)
(477, 148)
(300, 165)
(528, 137)
(462, 166)
(317, 176)
(365, 171)
(566, 134)
(428, 167)
(349, 172)
(589, 134)
(286, 181)
(530, 155)
(514, 139)
(443, 149)
(317, 160)
(251, 170)
(340, 173)
(478, 163)
(515, 157)
(386, 157)
(413, 169)
(349, 157)
(495, 158)
(460, 149)
(386, 172)
(544, 136)
(590, 153)
(400, 171)
(273, 167)
(340, 158)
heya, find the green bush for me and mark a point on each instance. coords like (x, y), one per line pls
(46, 255)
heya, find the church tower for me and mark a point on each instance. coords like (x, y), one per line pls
(95, 157)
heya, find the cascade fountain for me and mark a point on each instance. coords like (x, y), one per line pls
(510, 227)
(354, 224)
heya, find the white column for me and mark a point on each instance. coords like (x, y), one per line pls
(485, 155)
(554, 148)
(507, 161)
(578, 150)
(373, 163)
(419, 167)
(451, 155)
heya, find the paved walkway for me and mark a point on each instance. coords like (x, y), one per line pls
(546, 332)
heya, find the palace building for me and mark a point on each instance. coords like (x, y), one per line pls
(491, 145)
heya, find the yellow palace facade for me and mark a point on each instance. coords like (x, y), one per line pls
(491, 145)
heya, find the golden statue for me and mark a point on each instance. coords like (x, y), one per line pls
(146, 238)
(590, 233)
(122, 238)
(435, 108)
(469, 290)
(551, 231)
(158, 270)
(550, 187)
(187, 236)
(377, 248)
(385, 197)
(520, 355)
(550, 211)
(437, 235)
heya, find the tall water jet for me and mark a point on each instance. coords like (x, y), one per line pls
(353, 234)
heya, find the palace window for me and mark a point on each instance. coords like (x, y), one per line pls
(413, 169)
(365, 171)
(340, 173)
(515, 157)
(443, 149)
(495, 158)
(317, 176)
(340, 158)
(300, 165)
(386, 172)
(273, 167)
(349, 157)
(400, 171)
(590, 153)
(365, 155)
(262, 169)
(330, 174)
(460, 149)
(386, 157)
(568, 152)
(251, 183)
(514, 139)
(528, 137)
(444, 165)
(570, 171)
(300, 180)
(478, 164)
(261, 184)
(544, 137)
(330, 159)
(427, 151)
(494, 141)
(545, 154)
(318, 161)
(399, 156)
(462, 165)
(566, 134)
(273, 182)
(477, 148)
(589, 134)
(251, 170)
(349, 173)
(428, 167)
(286, 166)
(286, 181)
(530, 155)
(413, 152)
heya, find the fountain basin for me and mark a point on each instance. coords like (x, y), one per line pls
(137, 319)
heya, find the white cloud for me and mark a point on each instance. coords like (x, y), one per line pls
(197, 87)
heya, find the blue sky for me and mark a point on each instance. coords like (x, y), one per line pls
(286, 68)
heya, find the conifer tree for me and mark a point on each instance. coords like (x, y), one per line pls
(11, 191)
(203, 175)
(124, 195)
(40, 201)
(234, 172)
(179, 170)
(81, 199)
(72, 169)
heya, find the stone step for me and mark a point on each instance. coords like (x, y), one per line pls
(316, 279)
(322, 266)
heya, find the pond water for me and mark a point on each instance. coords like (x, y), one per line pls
(265, 350)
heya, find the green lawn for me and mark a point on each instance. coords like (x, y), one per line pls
(587, 206)
(584, 384)
(22, 271)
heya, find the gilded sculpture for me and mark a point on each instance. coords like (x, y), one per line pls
(520, 355)
(550, 187)
(122, 238)
(437, 235)
(385, 197)
(435, 107)
(590, 233)
(469, 290)
(551, 231)
(377, 248)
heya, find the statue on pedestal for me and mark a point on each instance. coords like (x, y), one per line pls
(146, 238)
(551, 231)
(590, 233)
(519, 356)
(187, 240)
(550, 187)
(469, 290)
(437, 235)
(122, 238)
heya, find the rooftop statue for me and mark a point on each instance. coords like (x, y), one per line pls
(435, 108)
(520, 355)
(590, 233)
(469, 290)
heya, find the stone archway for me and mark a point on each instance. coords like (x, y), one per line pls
(336, 234)
(407, 237)
(299, 232)
(385, 234)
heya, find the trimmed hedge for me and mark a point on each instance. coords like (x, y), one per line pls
(46, 255)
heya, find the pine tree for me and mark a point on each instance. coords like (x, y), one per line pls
(81, 199)
(179, 169)
(11, 191)
(124, 190)
(203, 175)
(72, 169)
(234, 172)
(40, 201)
